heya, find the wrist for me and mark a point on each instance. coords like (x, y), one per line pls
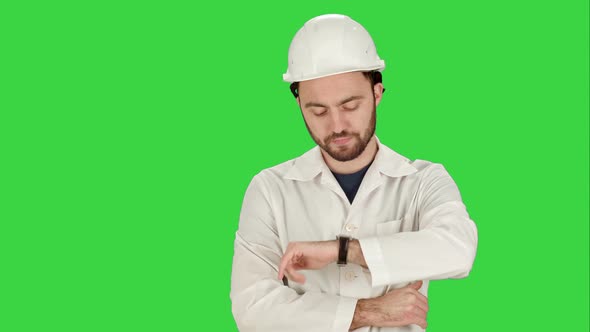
(355, 253)
(334, 245)
(362, 315)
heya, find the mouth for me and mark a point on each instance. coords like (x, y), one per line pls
(341, 140)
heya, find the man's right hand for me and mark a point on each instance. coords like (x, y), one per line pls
(399, 307)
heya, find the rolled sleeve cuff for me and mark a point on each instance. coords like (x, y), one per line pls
(344, 314)
(375, 261)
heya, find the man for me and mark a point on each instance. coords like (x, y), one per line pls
(348, 235)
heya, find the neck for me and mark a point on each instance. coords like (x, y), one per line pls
(351, 166)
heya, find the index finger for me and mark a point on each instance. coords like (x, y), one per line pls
(283, 265)
(422, 300)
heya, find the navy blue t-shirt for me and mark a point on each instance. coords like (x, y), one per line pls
(350, 183)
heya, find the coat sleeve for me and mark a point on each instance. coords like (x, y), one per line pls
(443, 246)
(261, 302)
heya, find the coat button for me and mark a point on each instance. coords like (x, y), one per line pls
(350, 227)
(349, 276)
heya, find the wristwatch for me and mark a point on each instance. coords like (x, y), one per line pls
(342, 249)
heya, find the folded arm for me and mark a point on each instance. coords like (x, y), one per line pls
(443, 246)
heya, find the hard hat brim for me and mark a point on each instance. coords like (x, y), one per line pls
(287, 77)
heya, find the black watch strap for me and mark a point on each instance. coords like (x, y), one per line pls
(343, 249)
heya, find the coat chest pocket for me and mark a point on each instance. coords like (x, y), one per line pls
(389, 227)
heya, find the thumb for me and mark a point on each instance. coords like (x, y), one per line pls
(416, 285)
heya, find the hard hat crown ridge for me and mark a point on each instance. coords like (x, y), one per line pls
(328, 45)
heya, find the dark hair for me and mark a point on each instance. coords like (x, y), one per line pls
(373, 76)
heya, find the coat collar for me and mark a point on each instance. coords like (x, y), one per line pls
(387, 162)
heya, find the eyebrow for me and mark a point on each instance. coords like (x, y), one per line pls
(342, 102)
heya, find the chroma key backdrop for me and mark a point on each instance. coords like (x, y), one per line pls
(129, 131)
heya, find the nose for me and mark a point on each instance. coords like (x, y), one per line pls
(338, 121)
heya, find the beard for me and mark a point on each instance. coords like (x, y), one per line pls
(350, 151)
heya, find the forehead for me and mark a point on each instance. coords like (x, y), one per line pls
(335, 87)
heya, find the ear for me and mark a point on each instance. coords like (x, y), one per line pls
(378, 93)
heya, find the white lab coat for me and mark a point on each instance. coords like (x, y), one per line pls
(409, 219)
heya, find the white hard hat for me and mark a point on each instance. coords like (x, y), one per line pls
(328, 45)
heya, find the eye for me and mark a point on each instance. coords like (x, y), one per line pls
(319, 111)
(350, 106)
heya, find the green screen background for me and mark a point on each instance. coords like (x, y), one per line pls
(130, 130)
